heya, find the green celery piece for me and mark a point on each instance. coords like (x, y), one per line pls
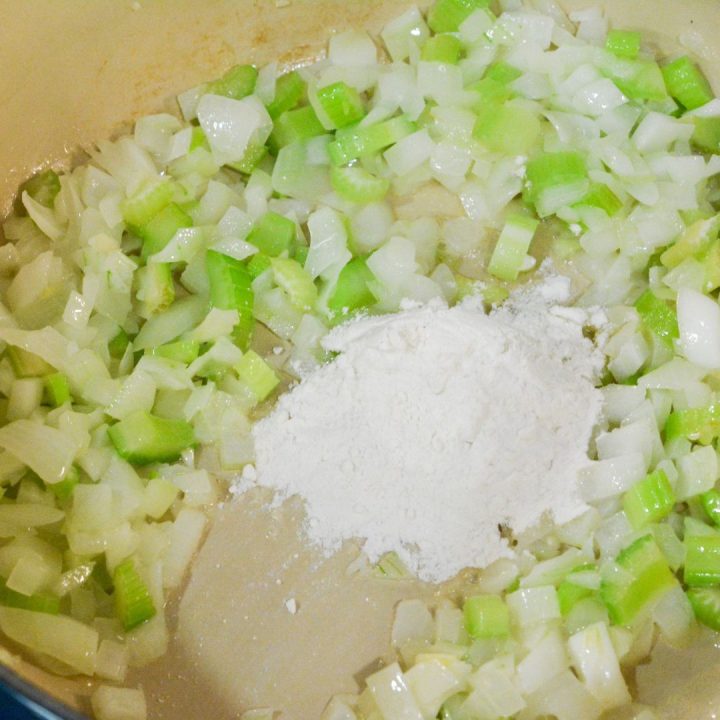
(391, 566)
(491, 294)
(640, 79)
(643, 576)
(352, 291)
(64, 489)
(238, 82)
(601, 196)
(43, 187)
(300, 254)
(697, 424)
(354, 142)
(341, 103)
(145, 204)
(508, 129)
(649, 500)
(118, 345)
(702, 560)
(231, 289)
(273, 234)
(512, 247)
(553, 170)
(257, 375)
(711, 263)
(449, 15)
(142, 438)
(502, 72)
(658, 317)
(443, 48)
(624, 43)
(155, 288)
(710, 502)
(184, 351)
(295, 126)
(40, 602)
(289, 91)
(486, 616)
(26, 364)
(705, 603)
(254, 154)
(687, 84)
(490, 93)
(133, 602)
(160, 229)
(358, 185)
(258, 264)
(695, 240)
(570, 594)
(198, 139)
(296, 282)
(706, 136)
(57, 389)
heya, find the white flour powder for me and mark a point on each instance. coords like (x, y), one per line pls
(434, 425)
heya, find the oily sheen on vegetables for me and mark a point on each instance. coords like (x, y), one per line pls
(139, 292)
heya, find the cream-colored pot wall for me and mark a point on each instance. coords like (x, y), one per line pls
(75, 71)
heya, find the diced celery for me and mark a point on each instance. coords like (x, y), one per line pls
(503, 73)
(508, 129)
(118, 345)
(40, 602)
(569, 594)
(355, 141)
(57, 389)
(26, 364)
(686, 83)
(702, 560)
(133, 603)
(512, 247)
(554, 180)
(443, 49)
(238, 82)
(698, 424)
(273, 234)
(696, 239)
(706, 136)
(706, 606)
(486, 616)
(339, 105)
(710, 501)
(184, 351)
(295, 126)
(258, 264)
(641, 577)
(649, 500)
(43, 187)
(391, 566)
(155, 288)
(231, 289)
(253, 156)
(352, 290)
(640, 79)
(289, 91)
(490, 93)
(142, 207)
(448, 15)
(296, 282)
(601, 196)
(624, 43)
(257, 375)
(142, 438)
(63, 490)
(658, 317)
(160, 229)
(358, 185)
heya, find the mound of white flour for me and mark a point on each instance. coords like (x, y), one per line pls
(434, 425)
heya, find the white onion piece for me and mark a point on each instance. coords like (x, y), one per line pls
(231, 125)
(699, 323)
